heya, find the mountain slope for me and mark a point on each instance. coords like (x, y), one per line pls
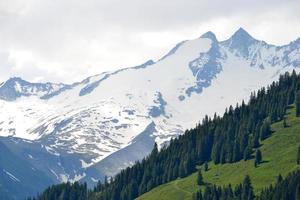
(77, 131)
(279, 157)
(228, 139)
(18, 178)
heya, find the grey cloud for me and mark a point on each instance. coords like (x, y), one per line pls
(48, 39)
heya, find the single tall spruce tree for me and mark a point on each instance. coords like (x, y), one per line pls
(199, 178)
(279, 178)
(255, 142)
(247, 189)
(284, 123)
(265, 129)
(297, 102)
(247, 153)
(297, 193)
(198, 195)
(258, 157)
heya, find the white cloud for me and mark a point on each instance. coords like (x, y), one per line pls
(67, 40)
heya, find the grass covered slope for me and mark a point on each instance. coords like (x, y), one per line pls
(279, 154)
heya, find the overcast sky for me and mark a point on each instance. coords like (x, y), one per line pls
(68, 40)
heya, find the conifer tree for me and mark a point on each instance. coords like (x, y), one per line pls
(105, 181)
(297, 193)
(258, 157)
(265, 129)
(195, 196)
(198, 195)
(154, 150)
(199, 178)
(284, 123)
(255, 163)
(298, 156)
(247, 191)
(181, 169)
(297, 102)
(279, 178)
(247, 153)
(256, 140)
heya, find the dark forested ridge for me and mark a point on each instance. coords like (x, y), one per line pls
(64, 191)
(243, 191)
(227, 139)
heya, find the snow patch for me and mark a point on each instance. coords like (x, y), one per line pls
(11, 176)
(84, 164)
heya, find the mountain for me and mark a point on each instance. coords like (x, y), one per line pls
(96, 127)
(258, 141)
(16, 87)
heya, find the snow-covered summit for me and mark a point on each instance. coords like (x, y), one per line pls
(241, 43)
(209, 35)
(16, 87)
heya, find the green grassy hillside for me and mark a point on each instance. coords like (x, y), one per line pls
(279, 156)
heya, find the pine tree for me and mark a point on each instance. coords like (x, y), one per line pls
(258, 157)
(256, 140)
(236, 152)
(297, 102)
(195, 196)
(199, 195)
(181, 169)
(247, 191)
(265, 129)
(255, 163)
(284, 123)
(298, 156)
(247, 153)
(199, 178)
(297, 193)
(279, 178)
(154, 150)
(105, 181)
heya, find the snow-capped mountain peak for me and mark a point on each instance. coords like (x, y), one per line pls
(209, 35)
(16, 87)
(241, 34)
(240, 43)
(108, 121)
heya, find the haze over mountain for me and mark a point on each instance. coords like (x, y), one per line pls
(89, 129)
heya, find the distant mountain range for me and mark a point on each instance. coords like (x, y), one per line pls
(96, 127)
